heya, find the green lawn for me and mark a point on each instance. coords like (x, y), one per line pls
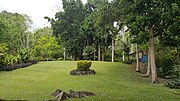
(113, 82)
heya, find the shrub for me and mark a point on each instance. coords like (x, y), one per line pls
(2, 58)
(173, 84)
(165, 60)
(3, 49)
(83, 65)
(117, 55)
(24, 54)
(107, 56)
(176, 71)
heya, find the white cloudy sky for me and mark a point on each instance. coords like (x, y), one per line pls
(36, 9)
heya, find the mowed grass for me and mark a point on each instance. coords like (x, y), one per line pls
(112, 82)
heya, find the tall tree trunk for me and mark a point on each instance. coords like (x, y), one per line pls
(47, 56)
(123, 56)
(149, 64)
(73, 57)
(152, 57)
(103, 54)
(123, 39)
(113, 48)
(94, 56)
(137, 59)
(148, 72)
(99, 52)
(132, 48)
(64, 54)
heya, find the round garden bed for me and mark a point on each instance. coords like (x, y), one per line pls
(77, 72)
(83, 68)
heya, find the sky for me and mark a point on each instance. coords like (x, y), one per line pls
(36, 9)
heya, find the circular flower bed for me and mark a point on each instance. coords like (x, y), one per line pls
(83, 68)
(77, 72)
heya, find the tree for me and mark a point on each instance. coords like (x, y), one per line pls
(47, 46)
(126, 46)
(15, 35)
(137, 59)
(143, 20)
(105, 21)
(90, 31)
(66, 25)
(171, 21)
(46, 31)
(14, 30)
(92, 28)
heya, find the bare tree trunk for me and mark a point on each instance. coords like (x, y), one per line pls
(94, 56)
(149, 65)
(47, 56)
(152, 57)
(113, 48)
(132, 48)
(64, 54)
(148, 72)
(123, 39)
(94, 52)
(103, 54)
(137, 59)
(99, 52)
(73, 57)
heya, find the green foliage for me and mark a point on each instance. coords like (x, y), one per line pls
(14, 30)
(176, 71)
(2, 62)
(66, 25)
(140, 17)
(46, 31)
(83, 65)
(165, 60)
(88, 52)
(126, 47)
(107, 55)
(89, 29)
(15, 38)
(171, 17)
(3, 49)
(174, 84)
(24, 55)
(47, 47)
(2, 54)
(117, 55)
(9, 59)
(84, 25)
